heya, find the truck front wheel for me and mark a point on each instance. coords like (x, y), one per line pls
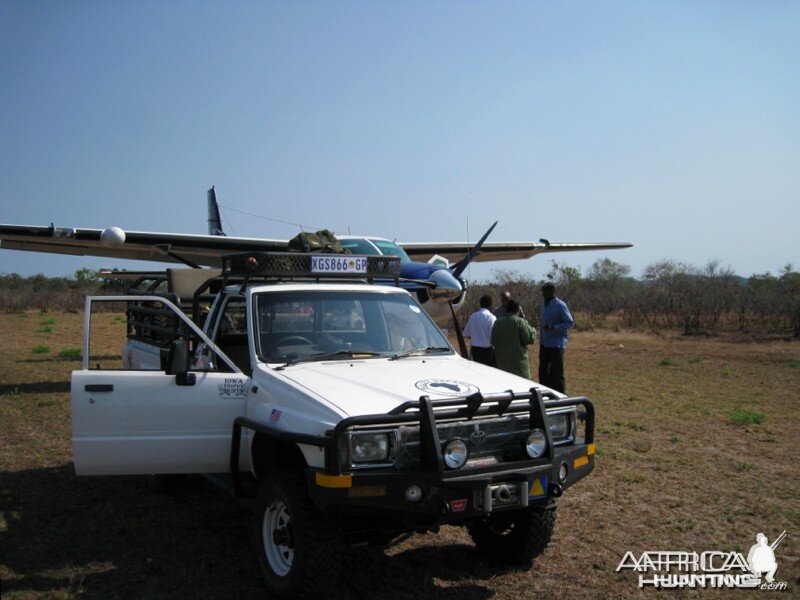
(299, 550)
(515, 537)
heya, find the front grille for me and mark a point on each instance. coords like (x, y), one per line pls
(490, 441)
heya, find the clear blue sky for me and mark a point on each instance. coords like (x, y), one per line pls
(673, 125)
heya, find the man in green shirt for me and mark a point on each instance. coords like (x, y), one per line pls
(511, 336)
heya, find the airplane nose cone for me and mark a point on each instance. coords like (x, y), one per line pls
(447, 286)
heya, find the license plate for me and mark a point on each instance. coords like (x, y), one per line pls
(338, 264)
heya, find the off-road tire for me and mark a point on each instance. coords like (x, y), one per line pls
(316, 541)
(516, 537)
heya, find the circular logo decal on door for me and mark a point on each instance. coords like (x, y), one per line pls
(446, 387)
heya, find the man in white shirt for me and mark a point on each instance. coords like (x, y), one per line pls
(479, 331)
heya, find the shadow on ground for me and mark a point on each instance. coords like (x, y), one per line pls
(75, 358)
(113, 537)
(36, 387)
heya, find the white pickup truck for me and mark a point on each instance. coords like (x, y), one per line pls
(343, 403)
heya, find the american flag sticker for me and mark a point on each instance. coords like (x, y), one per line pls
(274, 416)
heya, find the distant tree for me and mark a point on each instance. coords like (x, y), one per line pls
(86, 277)
(790, 298)
(655, 302)
(606, 286)
(607, 270)
(717, 291)
(563, 275)
(761, 308)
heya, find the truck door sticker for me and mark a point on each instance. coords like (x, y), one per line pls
(231, 388)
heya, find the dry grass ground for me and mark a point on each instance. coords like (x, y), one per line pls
(678, 468)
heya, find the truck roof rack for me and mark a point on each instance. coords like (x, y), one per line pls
(300, 265)
(245, 268)
(191, 288)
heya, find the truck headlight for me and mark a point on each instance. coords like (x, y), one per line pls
(455, 454)
(369, 447)
(536, 443)
(559, 425)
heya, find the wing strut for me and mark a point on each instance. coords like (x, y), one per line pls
(167, 250)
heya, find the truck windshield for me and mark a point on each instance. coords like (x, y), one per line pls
(295, 326)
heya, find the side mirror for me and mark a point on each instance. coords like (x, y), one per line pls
(175, 358)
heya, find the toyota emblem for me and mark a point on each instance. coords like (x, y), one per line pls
(477, 437)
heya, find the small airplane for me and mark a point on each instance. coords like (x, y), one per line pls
(432, 270)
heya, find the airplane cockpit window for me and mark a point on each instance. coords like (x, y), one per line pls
(359, 246)
(328, 325)
(388, 248)
(374, 247)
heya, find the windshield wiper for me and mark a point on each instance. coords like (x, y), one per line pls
(326, 356)
(420, 351)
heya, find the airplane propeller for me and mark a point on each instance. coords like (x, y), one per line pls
(459, 267)
(456, 271)
(462, 345)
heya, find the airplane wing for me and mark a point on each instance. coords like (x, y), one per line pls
(494, 251)
(206, 250)
(202, 250)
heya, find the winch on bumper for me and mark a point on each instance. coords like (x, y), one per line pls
(423, 488)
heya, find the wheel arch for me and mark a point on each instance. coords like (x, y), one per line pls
(268, 453)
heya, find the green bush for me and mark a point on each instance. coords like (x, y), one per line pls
(40, 349)
(742, 416)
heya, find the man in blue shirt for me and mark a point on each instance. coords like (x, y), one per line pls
(555, 321)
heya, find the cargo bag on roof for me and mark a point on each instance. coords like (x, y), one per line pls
(321, 241)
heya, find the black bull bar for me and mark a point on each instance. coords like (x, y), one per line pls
(421, 412)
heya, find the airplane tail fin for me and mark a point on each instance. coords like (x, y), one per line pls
(214, 220)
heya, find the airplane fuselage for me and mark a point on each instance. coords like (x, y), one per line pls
(434, 285)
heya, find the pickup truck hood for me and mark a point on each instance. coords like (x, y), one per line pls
(375, 386)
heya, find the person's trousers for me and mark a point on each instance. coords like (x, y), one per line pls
(483, 355)
(551, 368)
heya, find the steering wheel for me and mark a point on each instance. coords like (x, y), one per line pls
(295, 340)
